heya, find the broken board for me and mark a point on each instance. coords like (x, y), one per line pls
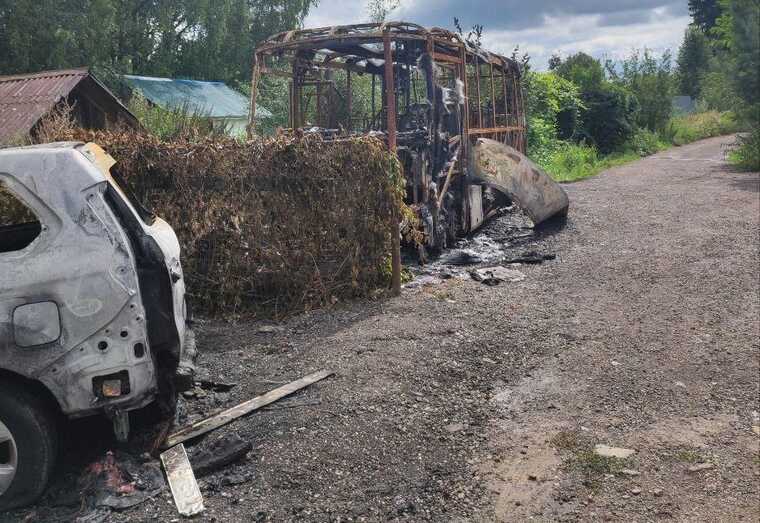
(184, 487)
(218, 420)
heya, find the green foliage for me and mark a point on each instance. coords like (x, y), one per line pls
(693, 62)
(593, 466)
(581, 69)
(737, 29)
(607, 112)
(189, 38)
(746, 154)
(378, 10)
(553, 106)
(690, 128)
(650, 79)
(273, 93)
(718, 91)
(645, 143)
(569, 162)
(172, 124)
(609, 119)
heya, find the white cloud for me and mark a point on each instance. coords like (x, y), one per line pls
(570, 35)
(601, 28)
(337, 12)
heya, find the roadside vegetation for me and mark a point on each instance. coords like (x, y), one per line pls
(585, 116)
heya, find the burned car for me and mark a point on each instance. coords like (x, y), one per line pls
(452, 111)
(92, 306)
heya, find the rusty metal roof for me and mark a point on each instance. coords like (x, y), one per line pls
(24, 99)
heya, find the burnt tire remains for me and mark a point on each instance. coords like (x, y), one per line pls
(28, 446)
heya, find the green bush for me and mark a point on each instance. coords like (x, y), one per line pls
(718, 92)
(553, 106)
(609, 119)
(644, 143)
(569, 162)
(746, 155)
(650, 79)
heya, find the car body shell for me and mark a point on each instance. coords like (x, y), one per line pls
(98, 297)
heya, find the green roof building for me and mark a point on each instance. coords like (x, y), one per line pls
(214, 100)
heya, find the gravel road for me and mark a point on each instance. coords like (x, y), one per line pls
(463, 402)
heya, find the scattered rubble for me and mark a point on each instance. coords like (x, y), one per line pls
(118, 481)
(495, 275)
(219, 454)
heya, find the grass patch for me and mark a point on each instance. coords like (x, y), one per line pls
(582, 459)
(690, 128)
(688, 456)
(443, 295)
(592, 467)
(566, 440)
(592, 464)
(570, 162)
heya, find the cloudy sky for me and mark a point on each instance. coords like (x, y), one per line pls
(603, 28)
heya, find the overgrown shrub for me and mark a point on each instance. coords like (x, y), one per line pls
(644, 143)
(609, 119)
(746, 154)
(269, 226)
(553, 106)
(170, 124)
(650, 79)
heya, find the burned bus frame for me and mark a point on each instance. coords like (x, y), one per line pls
(469, 94)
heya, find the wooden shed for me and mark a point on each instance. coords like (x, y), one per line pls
(25, 99)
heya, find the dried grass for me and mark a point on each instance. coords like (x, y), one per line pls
(270, 226)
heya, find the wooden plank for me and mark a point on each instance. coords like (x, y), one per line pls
(223, 418)
(184, 487)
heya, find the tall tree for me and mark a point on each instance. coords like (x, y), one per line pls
(704, 13)
(693, 62)
(738, 31)
(583, 70)
(650, 79)
(205, 39)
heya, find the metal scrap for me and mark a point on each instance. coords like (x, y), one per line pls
(184, 487)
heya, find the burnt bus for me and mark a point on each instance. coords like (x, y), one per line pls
(453, 112)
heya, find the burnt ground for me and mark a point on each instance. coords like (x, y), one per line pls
(463, 402)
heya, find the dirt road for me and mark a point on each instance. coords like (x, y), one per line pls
(462, 402)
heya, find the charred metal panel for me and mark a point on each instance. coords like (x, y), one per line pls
(84, 263)
(507, 170)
